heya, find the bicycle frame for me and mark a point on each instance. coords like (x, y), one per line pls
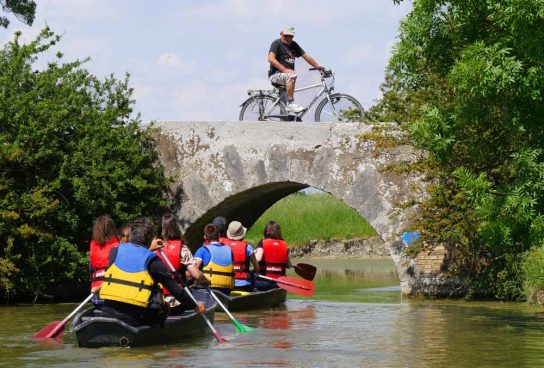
(324, 90)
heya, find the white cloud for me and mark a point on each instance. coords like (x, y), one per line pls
(143, 91)
(172, 59)
(78, 11)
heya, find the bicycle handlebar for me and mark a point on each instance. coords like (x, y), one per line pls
(325, 73)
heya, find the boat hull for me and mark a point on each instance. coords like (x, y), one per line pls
(93, 330)
(253, 300)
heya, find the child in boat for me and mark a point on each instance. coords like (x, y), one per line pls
(123, 233)
(178, 254)
(216, 260)
(272, 255)
(104, 237)
(243, 255)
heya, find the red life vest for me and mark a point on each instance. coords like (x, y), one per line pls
(224, 240)
(172, 250)
(274, 261)
(241, 260)
(99, 257)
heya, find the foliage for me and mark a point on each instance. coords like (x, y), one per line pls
(24, 10)
(306, 217)
(69, 151)
(533, 272)
(470, 73)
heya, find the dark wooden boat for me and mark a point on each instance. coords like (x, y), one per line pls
(93, 330)
(240, 300)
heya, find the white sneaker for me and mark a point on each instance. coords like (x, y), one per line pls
(292, 107)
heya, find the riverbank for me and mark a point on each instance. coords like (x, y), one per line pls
(363, 248)
(305, 217)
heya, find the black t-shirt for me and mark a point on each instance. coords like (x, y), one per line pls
(285, 54)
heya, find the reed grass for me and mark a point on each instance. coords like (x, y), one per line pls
(305, 217)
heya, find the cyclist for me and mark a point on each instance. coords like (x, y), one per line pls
(281, 57)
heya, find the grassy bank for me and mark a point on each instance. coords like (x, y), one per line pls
(306, 217)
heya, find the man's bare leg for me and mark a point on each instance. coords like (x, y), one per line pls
(290, 88)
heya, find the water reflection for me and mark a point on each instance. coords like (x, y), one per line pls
(370, 327)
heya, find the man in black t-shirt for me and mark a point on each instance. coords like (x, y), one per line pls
(281, 57)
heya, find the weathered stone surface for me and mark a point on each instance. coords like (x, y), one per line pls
(239, 169)
(373, 247)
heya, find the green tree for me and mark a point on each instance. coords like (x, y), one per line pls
(474, 70)
(70, 151)
(24, 10)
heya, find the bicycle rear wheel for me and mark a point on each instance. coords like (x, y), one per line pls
(341, 108)
(259, 109)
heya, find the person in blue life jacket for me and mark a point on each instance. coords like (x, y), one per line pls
(243, 254)
(215, 259)
(281, 57)
(131, 289)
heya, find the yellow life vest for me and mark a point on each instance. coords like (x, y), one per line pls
(220, 269)
(127, 280)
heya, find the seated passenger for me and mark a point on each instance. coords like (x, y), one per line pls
(243, 254)
(272, 255)
(216, 261)
(178, 254)
(131, 289)
(221, 224)
(103, 239)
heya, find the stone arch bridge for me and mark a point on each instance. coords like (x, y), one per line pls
(239, 169)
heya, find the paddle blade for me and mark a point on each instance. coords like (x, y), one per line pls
(305, 270)
(218, 337)
(52, 330)
(297, 286)
(240, 327)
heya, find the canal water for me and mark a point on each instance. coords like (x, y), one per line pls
(356, 319)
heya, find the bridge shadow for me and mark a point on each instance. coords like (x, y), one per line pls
(246, 207)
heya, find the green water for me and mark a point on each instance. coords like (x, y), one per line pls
(356, 319)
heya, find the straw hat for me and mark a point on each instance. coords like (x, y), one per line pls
(236, 231)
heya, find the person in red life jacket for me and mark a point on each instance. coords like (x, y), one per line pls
(178, 254)
(272, 255)
(216, 261)
(123, 233)
(104, 237)
(243, 255)
(132, 283)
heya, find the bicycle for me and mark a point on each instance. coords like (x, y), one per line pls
(270, 105)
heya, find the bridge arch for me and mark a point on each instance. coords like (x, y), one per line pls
(240, 169)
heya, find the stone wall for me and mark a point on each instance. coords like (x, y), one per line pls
(239, 169)
(373, 247)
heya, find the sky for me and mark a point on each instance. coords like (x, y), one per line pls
(194, 60)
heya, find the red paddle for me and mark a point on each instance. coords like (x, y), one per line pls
(297, 286)
(56, 328)
(305, 270)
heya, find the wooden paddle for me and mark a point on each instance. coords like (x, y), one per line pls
(305, 270)
(297, 286)
(239, 326)
(56, 329)
(214, 331)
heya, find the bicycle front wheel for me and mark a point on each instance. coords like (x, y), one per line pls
(262, 108)
(340, 108)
